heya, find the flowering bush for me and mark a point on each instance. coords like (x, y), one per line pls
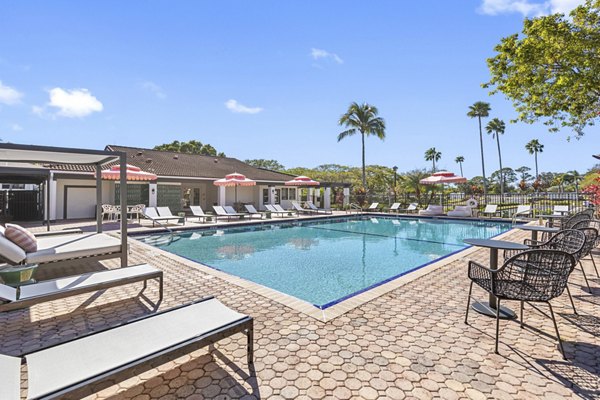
(593, 191)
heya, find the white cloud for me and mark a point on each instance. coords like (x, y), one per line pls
(236, 107)
(528, 8)
(154, 89)
(70, 103)
(16, 127)
(9, 95)
(320, 54)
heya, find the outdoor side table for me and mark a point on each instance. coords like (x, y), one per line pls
(535, 229)
(17, 275)
(552, 217)
(489, 308)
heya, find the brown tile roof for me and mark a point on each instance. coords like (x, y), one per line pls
(167, 163)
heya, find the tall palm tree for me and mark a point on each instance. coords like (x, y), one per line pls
(496, 128)
(363, 119)
(534, 147)
(480, 110)
(460, 160)
(433, 155)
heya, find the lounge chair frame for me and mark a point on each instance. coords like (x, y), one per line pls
(158, 275)
(244, 325)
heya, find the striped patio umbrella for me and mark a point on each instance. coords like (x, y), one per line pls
(302, 181)
(133, 174)
(442, 177)
(235, 180)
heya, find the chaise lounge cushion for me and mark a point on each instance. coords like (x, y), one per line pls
(21, 237)
(64, 365)
(56, 248)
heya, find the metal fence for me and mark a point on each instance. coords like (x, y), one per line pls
(541, 202)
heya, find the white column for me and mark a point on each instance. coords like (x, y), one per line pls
(153, 194)
(271, 195)
(327, 199)
(52, 197)
(310, 195)
(346, 196)
(222, 196)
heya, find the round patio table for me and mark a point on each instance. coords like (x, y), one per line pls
(552, 217)
(537, 228)
(489, 308)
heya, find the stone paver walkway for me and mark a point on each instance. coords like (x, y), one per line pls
(409, 343)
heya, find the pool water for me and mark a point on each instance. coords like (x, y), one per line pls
(326, 261)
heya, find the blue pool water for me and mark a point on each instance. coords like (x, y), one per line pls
(325, 261)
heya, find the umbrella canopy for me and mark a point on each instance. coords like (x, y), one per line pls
(133, 174)
(234, 179)
(441, 178)
(302, 181)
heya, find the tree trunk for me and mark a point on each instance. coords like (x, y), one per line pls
(537, 175)
(501, 171)
(364, 174)
(434, 166)
(461, 171)
(482, 159)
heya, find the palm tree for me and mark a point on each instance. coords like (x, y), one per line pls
(496, 128)
(480, 110)
(460, 160)
(575, 177)
(534, 147)
(433, 155)
(362, 118)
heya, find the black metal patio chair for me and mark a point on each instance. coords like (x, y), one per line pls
(530, 277)
(571, 241)
(570, 222)
(591, 238)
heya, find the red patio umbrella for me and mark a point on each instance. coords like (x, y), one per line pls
(442, 177)
(235, 179)
(302, 181)
(133, 174)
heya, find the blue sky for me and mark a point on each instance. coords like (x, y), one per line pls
(268, 79)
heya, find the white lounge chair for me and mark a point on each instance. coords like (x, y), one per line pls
(522, 211)
(461, 211)
(271, 208)
(312, 206)
(28, 295)
(56, 371)
(490, 210)
(301, 210)
(394, 207)
(198, 212)
(280, 209)
(252, 212)
(560, 210)
(411, 207)
(53, 248)
(222, 213)
(152, 214)
(432, 210)
(373, 207)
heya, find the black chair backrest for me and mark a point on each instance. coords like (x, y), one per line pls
(535, 275)
(569, 223)
(596, 225)
(591, 236)
(571, 241)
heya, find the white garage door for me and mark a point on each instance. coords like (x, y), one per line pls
(81, 202)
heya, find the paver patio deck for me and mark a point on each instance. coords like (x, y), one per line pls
(409, 343)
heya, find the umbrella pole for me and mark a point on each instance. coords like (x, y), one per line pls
(235, 203)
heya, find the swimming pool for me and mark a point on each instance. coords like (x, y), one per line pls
(326, 261)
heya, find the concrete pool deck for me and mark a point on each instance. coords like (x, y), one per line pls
(409, 342)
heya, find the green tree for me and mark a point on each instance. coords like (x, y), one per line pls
(363, 119)
(534, 147)
(459, 160)
(480, 110)
(411, 182)
(272, 165)
(433, 155)
(552, 71)
(496, 128)
(191, 147)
